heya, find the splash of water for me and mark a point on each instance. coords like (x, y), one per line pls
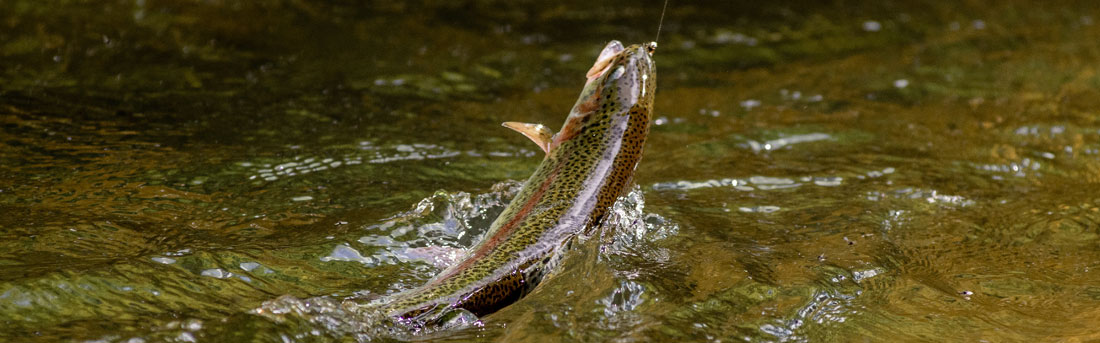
(455, 220)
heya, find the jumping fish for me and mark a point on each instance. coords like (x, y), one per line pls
(588, 165)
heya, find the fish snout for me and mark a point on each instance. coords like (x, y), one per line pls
(609, 52)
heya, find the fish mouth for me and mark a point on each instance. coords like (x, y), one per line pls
(621, 78)
(613, 50)
(618, 69)
(603, 63)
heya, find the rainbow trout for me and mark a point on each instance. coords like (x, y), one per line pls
(588, 165)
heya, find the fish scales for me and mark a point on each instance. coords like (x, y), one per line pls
(588, 165)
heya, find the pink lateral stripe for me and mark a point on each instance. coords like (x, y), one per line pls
(505, 230)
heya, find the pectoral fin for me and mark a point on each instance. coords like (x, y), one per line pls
(538, 133)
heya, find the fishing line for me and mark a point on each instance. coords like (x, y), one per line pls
(661, 22)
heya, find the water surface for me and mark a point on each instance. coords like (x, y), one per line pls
(837, 171)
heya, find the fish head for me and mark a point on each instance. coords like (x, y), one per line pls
(622, 80)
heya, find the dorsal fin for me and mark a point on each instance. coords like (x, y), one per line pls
(538, 133)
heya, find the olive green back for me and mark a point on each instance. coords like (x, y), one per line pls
(569, 193)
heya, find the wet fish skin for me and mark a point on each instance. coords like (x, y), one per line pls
(588, 165)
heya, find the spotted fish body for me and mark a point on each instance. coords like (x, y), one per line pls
(588, 165)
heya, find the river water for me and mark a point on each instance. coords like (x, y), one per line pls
(817, 171)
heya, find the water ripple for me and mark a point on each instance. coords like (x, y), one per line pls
(366, 152)
(782, 142)
(769, 182)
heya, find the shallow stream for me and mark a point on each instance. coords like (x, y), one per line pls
(817, 171)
